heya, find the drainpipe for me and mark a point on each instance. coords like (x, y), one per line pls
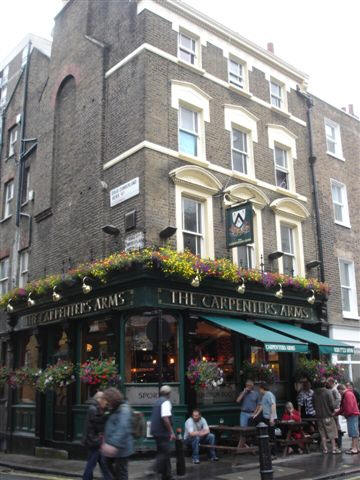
(312, 159)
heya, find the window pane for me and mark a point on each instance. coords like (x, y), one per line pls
(188, 120)
(234, 67)
(288, 264)
(276, 89)
(186, 56)
(190, 215)
(280, 157)
(141, 349)
(286, 239)
(245, 256)
(344, 274)
(282, 179)
(337, 193)
(330, 132)
(187, 42)
(239, 162)
(239, 140)
(338, 209)
(345, 297)
(188, 143)
(331, 146)
(192, 243)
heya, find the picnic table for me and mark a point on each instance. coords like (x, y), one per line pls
(290, 427)
(241, 433)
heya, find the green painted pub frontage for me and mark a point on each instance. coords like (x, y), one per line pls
(153, 327)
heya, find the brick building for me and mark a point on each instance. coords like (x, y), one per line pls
(150, 115)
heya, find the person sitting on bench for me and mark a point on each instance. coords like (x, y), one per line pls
(197, 433)
(292, 415)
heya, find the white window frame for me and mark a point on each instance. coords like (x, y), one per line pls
(238, 118)
(353, 312)
(345, 222)
(200, 224)
(4, 275)
(194, 133)
(286, 169)
(244, 153)
(292, 252)
(23, 268)
(194, 53)
(295, 225)
(8, 198)
(13, 134)
(338, 153)
(3, 95)
(275, 99)
(281, 137)
(191, 97)
(240, 78)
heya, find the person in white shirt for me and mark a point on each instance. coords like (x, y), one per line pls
(197, 433)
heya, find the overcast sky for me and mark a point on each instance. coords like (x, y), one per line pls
(319, 37)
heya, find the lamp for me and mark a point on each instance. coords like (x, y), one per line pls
(110, 229)
(56, 296)
(86, 287)
(313, 264)
(279, 294)
(275, 255)
(30, 301)
(195, 282)
(9, 307)
(241, 288)
(312, 298)
(167, 232)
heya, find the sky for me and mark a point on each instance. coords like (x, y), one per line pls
(318, 37)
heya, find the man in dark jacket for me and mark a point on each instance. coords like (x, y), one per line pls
(162, 431)
(93, 436)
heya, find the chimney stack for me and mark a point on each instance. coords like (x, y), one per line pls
(351, 109)
(270, 47)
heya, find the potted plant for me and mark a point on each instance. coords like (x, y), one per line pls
(316, 370)
(59, 375)
(100, 372)
(258, 372)
(23, 376)
(4, 375)
(203, 374)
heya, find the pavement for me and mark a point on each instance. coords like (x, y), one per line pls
(313, 466)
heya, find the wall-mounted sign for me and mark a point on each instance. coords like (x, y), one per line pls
(134, 241)
(113, 301)
(144, 395)
(222, 303)
(124, 192)
(239, 225)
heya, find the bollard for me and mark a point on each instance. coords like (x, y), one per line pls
(180, 457)
(266, 471)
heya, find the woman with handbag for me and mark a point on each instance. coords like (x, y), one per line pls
(118, 440)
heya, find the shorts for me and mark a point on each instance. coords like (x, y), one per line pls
(353, 426)
(244, 418)
(327, 428)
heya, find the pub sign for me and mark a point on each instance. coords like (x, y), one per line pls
(239, 225)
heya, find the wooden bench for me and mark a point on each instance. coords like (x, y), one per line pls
(242, 433)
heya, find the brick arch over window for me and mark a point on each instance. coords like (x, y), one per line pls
(65, 139)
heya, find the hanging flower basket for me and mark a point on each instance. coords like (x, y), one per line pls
(316, 371)
(203, 374)
(56, 376)
(4, 375)
(23, 376)
(258, 372)
(100, 372)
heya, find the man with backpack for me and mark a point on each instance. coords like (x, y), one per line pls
(162, 431)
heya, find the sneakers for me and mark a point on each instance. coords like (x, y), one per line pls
(196, 461)
(214, 459)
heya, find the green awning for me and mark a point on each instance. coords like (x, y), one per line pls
(273, 342)
(325, 344)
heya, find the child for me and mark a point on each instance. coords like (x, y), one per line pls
(292, 415)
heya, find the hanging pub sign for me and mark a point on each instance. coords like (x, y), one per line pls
(239, 225)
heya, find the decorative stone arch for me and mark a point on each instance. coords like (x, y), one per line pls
(245, 191)
(290, 208)
(196, 178)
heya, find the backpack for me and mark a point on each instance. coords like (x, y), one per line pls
(138, 424)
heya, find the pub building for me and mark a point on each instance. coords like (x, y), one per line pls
(153, 326)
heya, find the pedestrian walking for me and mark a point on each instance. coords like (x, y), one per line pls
(349, 409)
(325, 408)
(266, 412)
(118, 440)
(197, 433)
(332, 386)
(162, 431)
(93, 437)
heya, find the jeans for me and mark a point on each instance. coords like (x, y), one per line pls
(94, 456)
(163, 465)
(244, 418)
(195, 443)
(119, 468)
